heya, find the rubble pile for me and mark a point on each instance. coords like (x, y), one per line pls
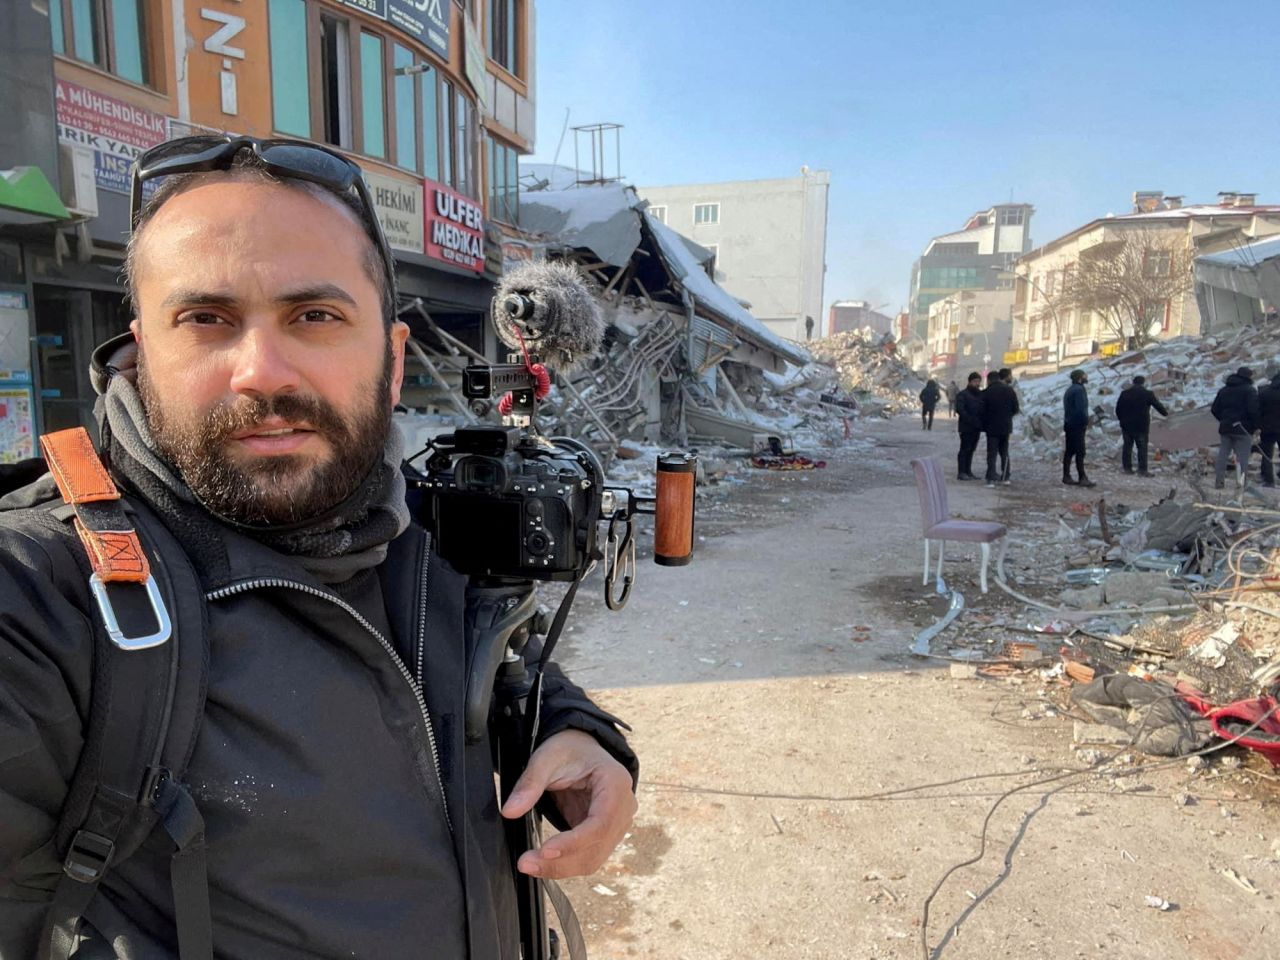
(1159, 626)
(870, 371)
(1184, 373)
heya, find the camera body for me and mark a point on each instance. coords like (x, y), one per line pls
(504, 503)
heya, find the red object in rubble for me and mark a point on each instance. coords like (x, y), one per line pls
(1245, 713)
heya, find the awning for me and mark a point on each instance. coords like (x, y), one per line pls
(27, 190)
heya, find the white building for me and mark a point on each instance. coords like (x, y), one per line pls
(769, 238)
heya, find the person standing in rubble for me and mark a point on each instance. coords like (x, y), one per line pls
(1133, 411)
(969, 409)
(1236, 410)
(1269, 424)
(1075, 423)
(953, 391)
(929, 398)
(999, 407)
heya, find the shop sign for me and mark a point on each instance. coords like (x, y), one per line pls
(1038, 355)
(398, 205)
(1112, 349)
(455, 228)
(475, 63)
(943, 360)
(375, 8)
(424, 20)
(1014, 357)
(116, 131)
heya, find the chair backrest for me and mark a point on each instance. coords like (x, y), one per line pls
(932, 487)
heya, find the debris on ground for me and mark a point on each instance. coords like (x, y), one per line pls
(870, 372)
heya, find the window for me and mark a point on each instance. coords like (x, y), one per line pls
(504, 171)
(110, 34)
(658, 213)
(464, 168)
(373, 110)
(706, 213)
(290, 94)
(503, 33)
(447, 147)
(429, 94)
(1012, 218)
(406, 110)
(335, 77)
(1068, 276)
(970, 314)
(950, 278)
(1050, 282)
(1035, 289)
(1166, 315)
(1157, 263)
(1080, 323)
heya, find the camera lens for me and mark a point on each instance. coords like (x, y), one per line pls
(537, 543)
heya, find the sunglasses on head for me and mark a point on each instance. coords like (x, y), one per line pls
(286, 159)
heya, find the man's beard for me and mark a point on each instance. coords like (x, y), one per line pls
(273, 490)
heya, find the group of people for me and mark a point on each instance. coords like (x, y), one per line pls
(1242, 410)
(990, 411)
(1248, 420)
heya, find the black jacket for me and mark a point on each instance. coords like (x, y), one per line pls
(313, 770)
(1236, 407)
(930, 395)
(999, 407)
(969, 410)
(1133, 409)
(1269, 407)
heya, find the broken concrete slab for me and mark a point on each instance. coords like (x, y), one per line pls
(1140, 588)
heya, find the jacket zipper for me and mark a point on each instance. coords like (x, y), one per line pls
(422, 607)
(248, 585)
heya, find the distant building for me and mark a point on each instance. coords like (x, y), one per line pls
(855, 315)
(973, 258)
(769, 238)
(1049, 330)
(969, 330)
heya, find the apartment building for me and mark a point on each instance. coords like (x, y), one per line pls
(1160, 238)
(769, 238)
(969, 330)
(433, 98)
(972, 258)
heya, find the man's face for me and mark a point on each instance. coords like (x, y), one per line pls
(266, 370)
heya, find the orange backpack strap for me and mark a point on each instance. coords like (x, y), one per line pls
(112, 543)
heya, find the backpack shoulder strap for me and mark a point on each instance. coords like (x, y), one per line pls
(149, 675)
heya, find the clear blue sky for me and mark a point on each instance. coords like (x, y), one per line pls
(924, 111)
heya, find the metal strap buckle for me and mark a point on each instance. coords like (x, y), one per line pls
(164, 624)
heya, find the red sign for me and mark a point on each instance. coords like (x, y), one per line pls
(454, 228)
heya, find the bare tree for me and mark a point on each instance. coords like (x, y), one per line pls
(1130, 281)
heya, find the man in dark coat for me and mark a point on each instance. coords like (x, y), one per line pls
(969, 410)
(929, 398)
(999, 407)
(1269, 425)
(953, 391)
(1133, 411)
(345, 813)
(1236, 410)
(1075, 423)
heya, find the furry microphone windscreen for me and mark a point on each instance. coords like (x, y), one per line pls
(555, 312)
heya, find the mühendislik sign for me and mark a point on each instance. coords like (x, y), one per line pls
(455, 228)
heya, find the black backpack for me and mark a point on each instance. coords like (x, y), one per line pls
(145, 712)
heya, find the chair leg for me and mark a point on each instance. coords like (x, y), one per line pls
(925, 579)
(1004, 545)
(942, 549)
(986, 558)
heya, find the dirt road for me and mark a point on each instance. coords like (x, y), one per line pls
(806, 783)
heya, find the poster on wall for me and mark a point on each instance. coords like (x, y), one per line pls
(398, 205)
(17, 423)
(425, 20)
(375, 8)
(455, 228)
(114, 130)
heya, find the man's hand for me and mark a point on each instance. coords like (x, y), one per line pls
(593, 792)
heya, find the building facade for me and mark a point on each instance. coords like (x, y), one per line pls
(1051, 329)
(433, 98)
(846, 315)
(769, 238)
(969, 330)
(972, 258)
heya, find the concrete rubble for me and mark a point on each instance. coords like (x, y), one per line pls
(870, 371)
